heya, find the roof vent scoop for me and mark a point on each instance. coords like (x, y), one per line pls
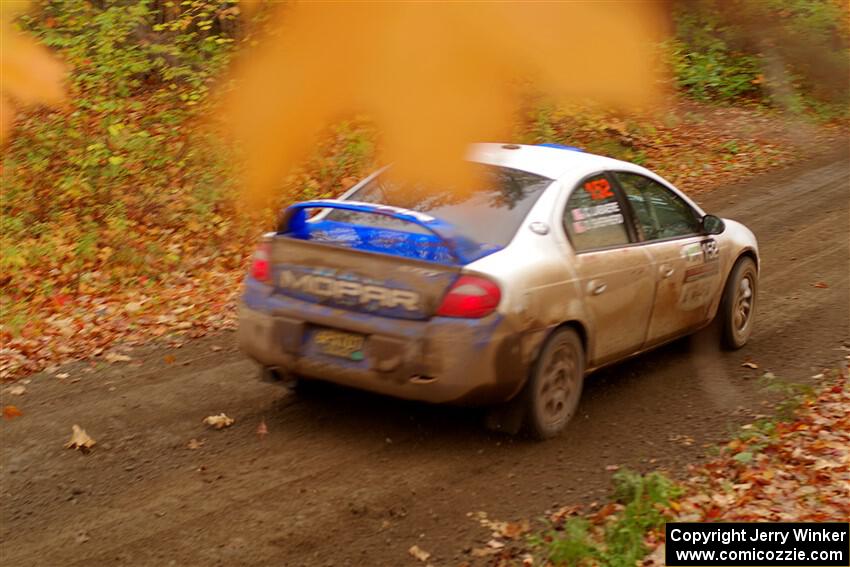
(561, 147)
(510, 147)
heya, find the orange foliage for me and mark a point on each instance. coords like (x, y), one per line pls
(434, 76)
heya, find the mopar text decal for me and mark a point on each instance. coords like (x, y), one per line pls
(347, 291)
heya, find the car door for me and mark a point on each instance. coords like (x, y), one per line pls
(615, 276)
(685, 262)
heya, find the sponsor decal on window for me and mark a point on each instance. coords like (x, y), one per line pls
(597, 222)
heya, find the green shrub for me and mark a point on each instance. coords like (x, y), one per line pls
(790, 53)
(619, 542)
(574, 545)
(644, 498)
(704, 64)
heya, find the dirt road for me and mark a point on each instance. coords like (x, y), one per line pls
(347, 478)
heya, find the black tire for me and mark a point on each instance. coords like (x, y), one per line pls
(552, 392)
(737, 308)
(292, 382)
(307, 387)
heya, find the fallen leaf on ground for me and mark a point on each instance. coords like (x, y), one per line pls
(752, 365)
(16, 390)
(219, 421)
(484, 551)
(11, 412)
(62, 375)
(79, 439)
(133, 307)
(612, 468)
(605, 512)
(512, 530)
(564, 512)
(419, 553)
(195, 444)
(114, 357)
(262, 429)
(685, 440)
(169, 359)
(215, 348)
(821, 285)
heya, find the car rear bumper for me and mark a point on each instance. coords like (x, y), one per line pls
(442, 360)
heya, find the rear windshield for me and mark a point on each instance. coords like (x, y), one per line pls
(490, 214)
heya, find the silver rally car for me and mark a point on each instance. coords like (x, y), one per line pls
(504, 295)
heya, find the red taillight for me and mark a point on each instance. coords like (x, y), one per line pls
(261, 266)
(470, 297)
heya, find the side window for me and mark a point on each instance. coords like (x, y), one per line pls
(593, 217)
(658, 211)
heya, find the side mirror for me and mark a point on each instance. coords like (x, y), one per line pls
(712, 225)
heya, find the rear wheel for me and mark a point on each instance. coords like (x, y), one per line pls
(554, 387)
(737, 308)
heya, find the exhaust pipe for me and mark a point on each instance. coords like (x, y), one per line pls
(276, 375)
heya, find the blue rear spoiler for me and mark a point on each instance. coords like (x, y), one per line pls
(561, 147)
(442, 242)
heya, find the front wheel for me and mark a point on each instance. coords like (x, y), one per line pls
(554, 387)
(737, 308)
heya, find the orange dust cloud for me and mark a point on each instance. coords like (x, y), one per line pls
(29, 74)
(433, 76)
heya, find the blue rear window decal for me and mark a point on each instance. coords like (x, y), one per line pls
(439, 241)
(387, 241)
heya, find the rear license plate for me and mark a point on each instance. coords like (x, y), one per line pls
(339, 343)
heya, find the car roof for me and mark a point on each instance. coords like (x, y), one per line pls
(548, 161)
